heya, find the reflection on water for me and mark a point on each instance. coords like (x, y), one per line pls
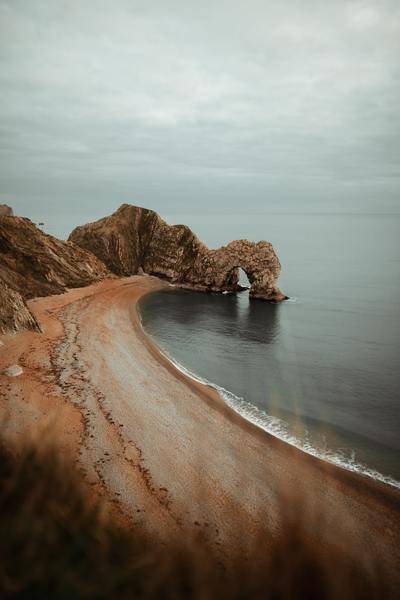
(234, 315)
(266, 315)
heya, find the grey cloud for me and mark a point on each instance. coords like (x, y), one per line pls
(194, 105)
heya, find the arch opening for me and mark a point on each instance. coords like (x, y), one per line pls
(243, 279)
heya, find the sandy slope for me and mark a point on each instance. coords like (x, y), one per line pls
(166, 449)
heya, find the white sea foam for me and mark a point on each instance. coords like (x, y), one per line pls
(280, 429)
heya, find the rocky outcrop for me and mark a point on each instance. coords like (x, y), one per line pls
(14, 313)
(132, 240)
(135, 239)
(34, 264)
(5, 210)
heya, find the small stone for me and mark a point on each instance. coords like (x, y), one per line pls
(13, 371)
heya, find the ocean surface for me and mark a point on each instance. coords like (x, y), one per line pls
(321, 370)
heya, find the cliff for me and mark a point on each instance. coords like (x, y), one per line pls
(135, 239)
(130, 241)
(35, 264)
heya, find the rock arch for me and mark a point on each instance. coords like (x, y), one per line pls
(134, 239)
(257, 260)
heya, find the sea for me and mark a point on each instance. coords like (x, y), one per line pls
(321, 370)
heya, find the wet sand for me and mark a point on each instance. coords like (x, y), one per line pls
(165, 449)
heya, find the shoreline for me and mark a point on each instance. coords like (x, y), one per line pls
(259, 421)
(166, 450)
(209, 390)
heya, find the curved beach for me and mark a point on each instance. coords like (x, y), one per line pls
(167, 450)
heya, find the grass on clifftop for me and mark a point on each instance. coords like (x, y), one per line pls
(57, 542)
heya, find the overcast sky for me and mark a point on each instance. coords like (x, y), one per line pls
(199, 106)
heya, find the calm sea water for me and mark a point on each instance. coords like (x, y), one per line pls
(321, 370)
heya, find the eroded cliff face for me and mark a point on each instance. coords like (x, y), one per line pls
(135, 239)
(34, 264)
(14, 313)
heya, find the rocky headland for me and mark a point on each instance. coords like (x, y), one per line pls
(131, 241)
(135, 240)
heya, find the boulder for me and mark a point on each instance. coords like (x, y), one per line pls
(5, 210)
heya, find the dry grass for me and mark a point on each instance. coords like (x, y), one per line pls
(57, 542)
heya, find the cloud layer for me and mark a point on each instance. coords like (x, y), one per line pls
(201, 106)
